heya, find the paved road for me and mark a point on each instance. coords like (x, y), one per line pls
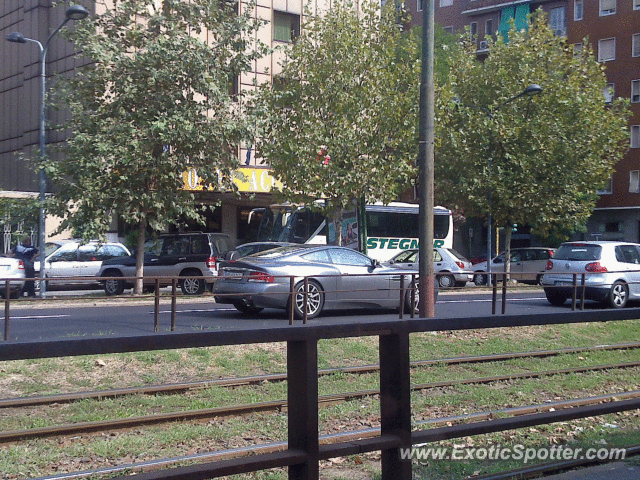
(68, 317)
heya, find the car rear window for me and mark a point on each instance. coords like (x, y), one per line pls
(457, 255)
(577, 251)
(220, 244)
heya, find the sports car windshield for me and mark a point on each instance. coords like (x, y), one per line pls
(578, 251)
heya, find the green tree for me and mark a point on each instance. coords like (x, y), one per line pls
(153, 103)
(341, 118)
(542, 157)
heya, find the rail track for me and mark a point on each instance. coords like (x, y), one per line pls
(280, 405)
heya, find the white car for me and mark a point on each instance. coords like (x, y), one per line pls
(611, 269)
(76, 263)
(11, 269)
(527, 265)
(451, 268)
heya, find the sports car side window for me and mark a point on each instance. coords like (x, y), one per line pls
(348, 257)
(319, 256)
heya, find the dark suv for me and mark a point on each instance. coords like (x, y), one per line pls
(193, 254)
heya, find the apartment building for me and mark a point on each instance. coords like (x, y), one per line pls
(612, 27)
(20, 106)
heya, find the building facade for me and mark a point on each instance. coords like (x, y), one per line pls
(612, 27)
(20, 104)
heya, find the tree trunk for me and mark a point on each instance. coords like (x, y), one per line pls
(507, 249)
(142, 227)
(337, 221)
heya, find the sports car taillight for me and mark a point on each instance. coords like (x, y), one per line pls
(20, 265)
(211, 262)
(460, 264)
(595, 267)
(549, 265)
(260, 277)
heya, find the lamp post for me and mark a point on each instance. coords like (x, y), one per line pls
(530, 91)
(74, 12)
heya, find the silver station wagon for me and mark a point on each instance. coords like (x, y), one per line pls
(611, 272)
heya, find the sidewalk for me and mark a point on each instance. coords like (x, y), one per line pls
(607, 471)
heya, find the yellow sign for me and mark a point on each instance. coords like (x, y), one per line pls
(256, 180)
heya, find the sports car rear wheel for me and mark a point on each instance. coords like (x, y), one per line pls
(315, 300)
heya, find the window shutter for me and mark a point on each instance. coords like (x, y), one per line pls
(607, 6)
(607, 49)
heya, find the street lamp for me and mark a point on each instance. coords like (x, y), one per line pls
(530, 91)
(74, 12)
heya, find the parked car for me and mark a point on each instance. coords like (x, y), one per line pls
(191, 255)
(612, 272)
(253, 247)
(338, 278)
(527, 265)
(75, 263)
(452, 269)
(11, 269)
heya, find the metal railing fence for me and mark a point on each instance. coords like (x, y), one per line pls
(304, 452)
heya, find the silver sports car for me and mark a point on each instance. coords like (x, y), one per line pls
(337, 278)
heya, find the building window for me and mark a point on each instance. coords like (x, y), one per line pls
(419, 7)
(473, 29)
(634, 181)
(557, 21)
(607, 7)
(578, 10)
(286, 26)
(635, 136)
(606, 49)
(636, 4)
(635, 45)
(635, 91)
(606, 189)
(488, 29)
(449, 30)
(446, 3)
(609, 93)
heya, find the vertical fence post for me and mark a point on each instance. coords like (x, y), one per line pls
(174, 284)
(401, 296)
(156, 305)
(395, 403)
(306, 299)
(7, 303)
(574, 291)
(493, 278)
(302, 395)
(582, 282)
(292, 300)
(413, 297)
(504, 293)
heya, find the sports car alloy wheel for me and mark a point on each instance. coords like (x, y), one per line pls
(315, 300)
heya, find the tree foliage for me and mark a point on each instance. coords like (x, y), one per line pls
(153, 103)
(340, 120)
(542, 157)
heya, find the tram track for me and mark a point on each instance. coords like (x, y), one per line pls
(179, 388)
(281, 405)
(528, 472)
